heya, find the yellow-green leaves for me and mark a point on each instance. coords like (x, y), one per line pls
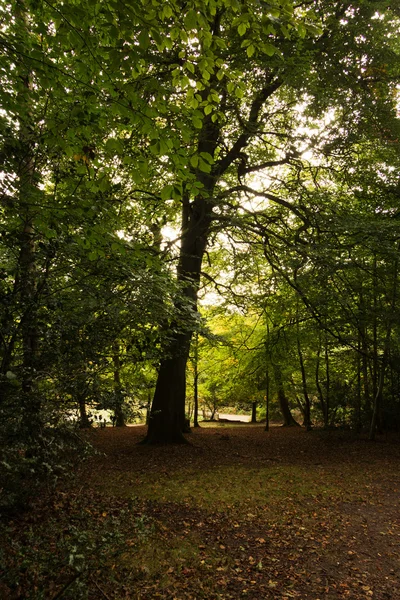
(202, 161)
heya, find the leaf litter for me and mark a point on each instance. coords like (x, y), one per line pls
(238, 513)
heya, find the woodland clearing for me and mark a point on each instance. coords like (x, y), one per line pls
(238, 513)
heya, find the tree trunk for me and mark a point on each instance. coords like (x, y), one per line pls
(26, 279)
(288, 420)
(167, 421)
(254, 412)
(119, 400)
(328, 380)
(84, 421)
(386, 349)
(322, 401)
(358, 404)
(307, 408)
(167, 415)
(375, 359)
(196, 381)
(267, 390)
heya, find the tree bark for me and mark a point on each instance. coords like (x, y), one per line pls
(267, 390)
(288, 420)
(324, 406)
(386, 349)
(119, 400)
(84, 421)
(196, 381)
(307, 408)
(167, 418)
(254, 412)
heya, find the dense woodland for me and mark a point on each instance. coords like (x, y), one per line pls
(199, 208)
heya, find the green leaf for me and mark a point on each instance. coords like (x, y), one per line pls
(143, 39)
(239, 92)
(268, 49)
(194, 161)
(189, 67)
(167, 192)
(207, 157)
(198, 123)
(204, 166)
(301, 30)
(190, 19)
(242, 28)
(114, 146)
(166, 11)
(250, 50)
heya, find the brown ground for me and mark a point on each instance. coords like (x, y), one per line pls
(239, 513)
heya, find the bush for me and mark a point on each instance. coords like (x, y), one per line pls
(31, 457)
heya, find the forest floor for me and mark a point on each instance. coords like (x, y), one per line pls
(238, 513)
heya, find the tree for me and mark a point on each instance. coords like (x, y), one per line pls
(286, 63)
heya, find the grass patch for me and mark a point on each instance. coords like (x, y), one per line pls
(224, 488)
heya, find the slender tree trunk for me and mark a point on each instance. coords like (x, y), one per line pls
(254, 412)
(196, 381)
(287, 416)
(386, 349)
(119, 400)
(358, 405)
(375, 359)
(378, 398)
(328, 380)
(267, 391)
(148, 408)
(319, 387)
(307, 407)
(83, 416)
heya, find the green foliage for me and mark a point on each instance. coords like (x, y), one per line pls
(30, 460)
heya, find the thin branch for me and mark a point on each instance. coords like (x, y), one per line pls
(268, 196)
(250, 126)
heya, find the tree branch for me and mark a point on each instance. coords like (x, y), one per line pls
(242, 141)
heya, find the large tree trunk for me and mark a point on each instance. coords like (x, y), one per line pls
(167, 417)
